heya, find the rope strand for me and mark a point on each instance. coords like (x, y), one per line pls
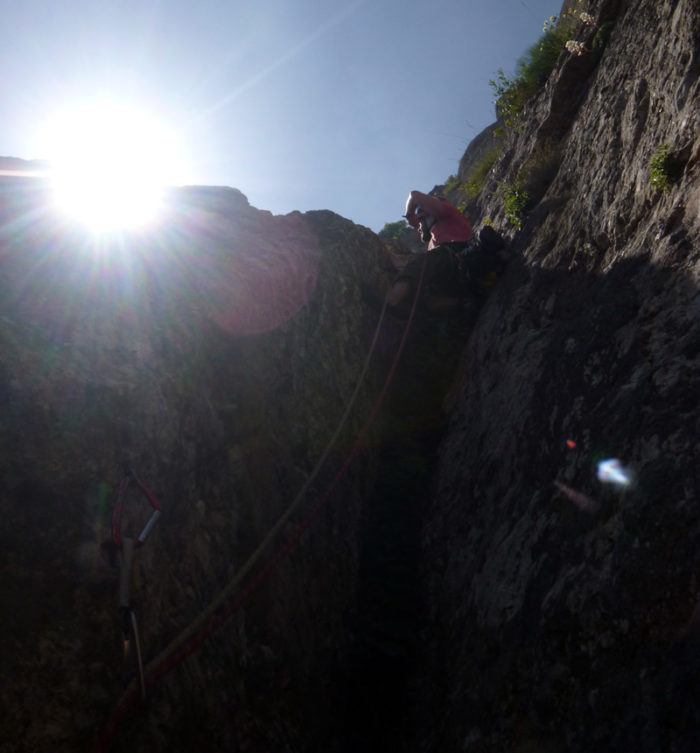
(186, 642)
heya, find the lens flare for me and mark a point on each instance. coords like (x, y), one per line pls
(612, 471)
(581, 500)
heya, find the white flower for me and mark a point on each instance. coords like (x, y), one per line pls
(577, 48)
(587, 19)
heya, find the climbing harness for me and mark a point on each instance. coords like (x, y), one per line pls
(224, 605)
(126, 546)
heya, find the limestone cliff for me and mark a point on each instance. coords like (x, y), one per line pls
(468, 584)
(562, 628)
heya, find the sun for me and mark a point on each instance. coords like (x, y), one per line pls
(110, 165)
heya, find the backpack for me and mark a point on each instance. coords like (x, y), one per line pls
(481, 263)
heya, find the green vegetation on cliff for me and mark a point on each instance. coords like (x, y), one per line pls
(533, 68)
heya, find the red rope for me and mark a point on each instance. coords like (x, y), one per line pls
(130, 699)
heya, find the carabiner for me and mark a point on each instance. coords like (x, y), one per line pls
(119, 506)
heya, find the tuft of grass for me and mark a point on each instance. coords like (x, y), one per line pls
(452, 184)
(475, 182)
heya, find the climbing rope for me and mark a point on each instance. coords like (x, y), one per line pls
(186, 642)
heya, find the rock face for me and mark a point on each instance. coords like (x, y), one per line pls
(566, 609)
(470, 583)
(217, 356)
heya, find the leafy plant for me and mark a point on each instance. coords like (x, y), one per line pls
(515, 200)
(660, 168)
(510, 97)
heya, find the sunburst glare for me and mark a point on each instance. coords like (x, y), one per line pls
(110, 165)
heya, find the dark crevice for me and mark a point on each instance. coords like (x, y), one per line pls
(379, 702)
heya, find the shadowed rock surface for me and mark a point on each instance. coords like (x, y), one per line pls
(150, 349)
(553, 628)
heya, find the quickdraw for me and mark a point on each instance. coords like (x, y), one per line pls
(126, 546)
(129, 476)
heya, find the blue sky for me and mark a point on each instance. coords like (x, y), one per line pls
(301, 104)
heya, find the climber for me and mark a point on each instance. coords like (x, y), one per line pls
(448, 232)
(457, 269)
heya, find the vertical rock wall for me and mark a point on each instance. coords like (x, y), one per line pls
(565, 609)
(216, 354)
